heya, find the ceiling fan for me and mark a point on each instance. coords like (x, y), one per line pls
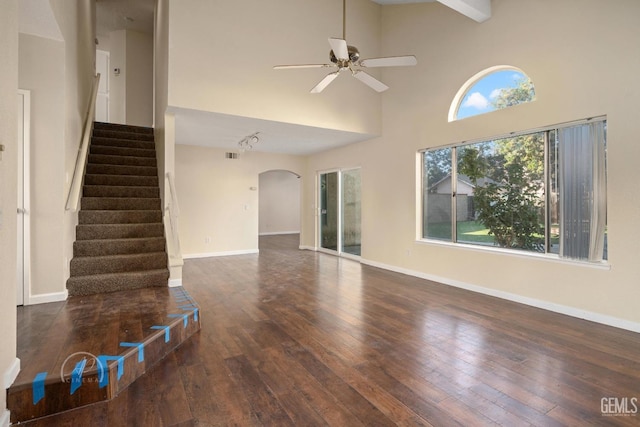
(345, 57)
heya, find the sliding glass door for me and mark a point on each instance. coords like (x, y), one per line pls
(340, 212)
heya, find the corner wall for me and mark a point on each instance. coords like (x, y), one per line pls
(219, 198)
(8, 195)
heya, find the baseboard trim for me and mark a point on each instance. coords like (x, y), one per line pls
(277, 233)
(45, 298)
(11, 374)
(545, 305)
(306, 248)
(223, 253)
(175, 283)
(4, 418)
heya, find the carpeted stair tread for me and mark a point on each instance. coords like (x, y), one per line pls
(97, 247)
(106, 169)
(90, 265)
(121, 180)
(122, 142)
(118, 231)
(119, 216)
(119, 203)
(137, 136)
(122, 128)
(103, 159)
(101, 283)
(122, 151)
(120, 191)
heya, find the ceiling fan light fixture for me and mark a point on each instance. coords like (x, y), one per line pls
(343, 56)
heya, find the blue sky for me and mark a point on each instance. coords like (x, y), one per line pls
(478, 98)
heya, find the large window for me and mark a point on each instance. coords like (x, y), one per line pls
(542, 191)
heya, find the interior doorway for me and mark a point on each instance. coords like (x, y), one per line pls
(23, 224)
(279, 203)
(339, 219)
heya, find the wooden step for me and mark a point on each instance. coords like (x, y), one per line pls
(121, 335)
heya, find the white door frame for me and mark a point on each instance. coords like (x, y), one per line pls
(23, 270)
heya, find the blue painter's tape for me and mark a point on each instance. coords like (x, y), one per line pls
(195, 314)
(140, 346)
(185, 318)
(183, 299)
(38, 387)
(76, 375)
(187, 306)
(167, 332)
(103, 368)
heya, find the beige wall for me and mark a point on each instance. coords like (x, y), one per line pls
(139, 78)
(77, 24)
(219, 198)
(8, 188)
(42, 72)
(582, 56)
(221, 60)
(279, 202)
(131, 92)
(118, 83)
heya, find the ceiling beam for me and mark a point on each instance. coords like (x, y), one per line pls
(478, 10)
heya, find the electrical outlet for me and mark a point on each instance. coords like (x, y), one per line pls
(207, 240)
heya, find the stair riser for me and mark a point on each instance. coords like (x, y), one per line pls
(126, 143)
(122, 128)
(121, 180)
(101, 247)
(86, 266)
(121, 170)
(113, 191)
(121, 151)
(120, 204)
(118, 231)
(121, 160)
(119, 217)
(88, 285)
(135, 136)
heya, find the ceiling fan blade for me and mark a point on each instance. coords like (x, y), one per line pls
(286, 67)
(391, 61)
(370, 81)
(339, 48)
(325, 82)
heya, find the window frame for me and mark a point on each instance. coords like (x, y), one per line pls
(422, 193)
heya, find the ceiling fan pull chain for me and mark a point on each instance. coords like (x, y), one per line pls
(344, 19)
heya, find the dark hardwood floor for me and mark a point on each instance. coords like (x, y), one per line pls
(300, 338)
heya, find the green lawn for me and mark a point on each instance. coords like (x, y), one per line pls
(468, 232)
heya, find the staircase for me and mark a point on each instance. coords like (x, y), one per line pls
(120, 243)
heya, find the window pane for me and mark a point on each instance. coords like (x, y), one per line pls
(582, 158)
(437, 194)
(351, 212)
(553, 195)
(497, 90)
(505, 180)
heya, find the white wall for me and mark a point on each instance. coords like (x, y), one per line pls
(8, 195)
(219, 198)
(578, 71)
(41, 65)
(279, 202)
(222, 55)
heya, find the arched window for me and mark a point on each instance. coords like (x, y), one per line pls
(492, 89)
